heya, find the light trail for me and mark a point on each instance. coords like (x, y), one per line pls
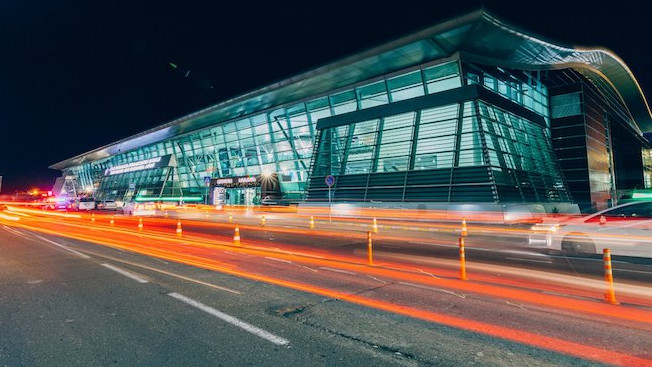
(549, 283)
(9, 217)
(170, 251)
(45, 213)
(165, 248)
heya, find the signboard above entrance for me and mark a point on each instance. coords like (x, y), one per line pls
(243, 181)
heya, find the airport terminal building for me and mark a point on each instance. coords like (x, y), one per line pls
(468, 111)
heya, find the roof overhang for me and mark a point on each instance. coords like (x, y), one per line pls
(477, 35)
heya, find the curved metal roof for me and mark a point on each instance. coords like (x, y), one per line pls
(477, 35)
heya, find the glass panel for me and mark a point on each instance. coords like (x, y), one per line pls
(433, 161)
(362, 147)
(442, 77)
(406, 86)
(372, 95)
(344, 102)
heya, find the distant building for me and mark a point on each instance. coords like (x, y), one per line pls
(471, 110)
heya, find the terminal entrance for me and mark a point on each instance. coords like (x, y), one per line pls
(244, 190)
(242, 196)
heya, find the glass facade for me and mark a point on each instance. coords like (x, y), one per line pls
(279, 141)
(522, 87)
(463, 152)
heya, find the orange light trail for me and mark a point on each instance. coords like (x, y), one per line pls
(389, 270)
(523, 337)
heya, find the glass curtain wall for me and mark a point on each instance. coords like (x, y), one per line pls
(279, 141)
(522, 87)
(469, 151)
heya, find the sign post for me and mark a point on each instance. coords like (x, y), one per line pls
(207, 182)
(330, 180)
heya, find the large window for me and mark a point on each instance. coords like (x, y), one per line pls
(461, 151)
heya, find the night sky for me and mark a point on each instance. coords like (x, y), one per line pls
(76, 75)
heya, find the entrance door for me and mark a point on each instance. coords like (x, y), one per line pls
(242, 196)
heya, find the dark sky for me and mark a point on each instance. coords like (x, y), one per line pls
(76, 75)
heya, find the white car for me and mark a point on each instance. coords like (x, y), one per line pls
(624, 229)
(107, 205)
(140, 209)
(86, 204)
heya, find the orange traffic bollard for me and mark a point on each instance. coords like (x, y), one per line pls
(462, 260)
(166, 213)
(93, 217)
(374, 225)
(370, 256)
(610, 294)
(206, 214)
(262, 221)
(236, 235)
(179, 232)
(312, 222)
(140, 224)
(111, 222)
(464, 231)
(230, 218)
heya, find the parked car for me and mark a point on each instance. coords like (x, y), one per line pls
(624, 229)
(140, 209)
(107, 205)
(86, 204)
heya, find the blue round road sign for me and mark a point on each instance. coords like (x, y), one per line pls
(330, 180)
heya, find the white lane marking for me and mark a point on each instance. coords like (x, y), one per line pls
(337, 270)
(296, 253)
(374, 278)
(517, 305)
(163, 261)
(279, 260)
(289, 262)
(15, 232)
(425, 272)
(83, 256)
(165, 272)
(125, 273)
(232, 320)
(433, 289)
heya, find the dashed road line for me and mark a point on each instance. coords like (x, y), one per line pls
(279, 260)
(275, 339)
(433, 289)
(83, 256)
(125, 273)
(337, 270)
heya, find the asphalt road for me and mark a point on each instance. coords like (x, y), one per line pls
(65, 302)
